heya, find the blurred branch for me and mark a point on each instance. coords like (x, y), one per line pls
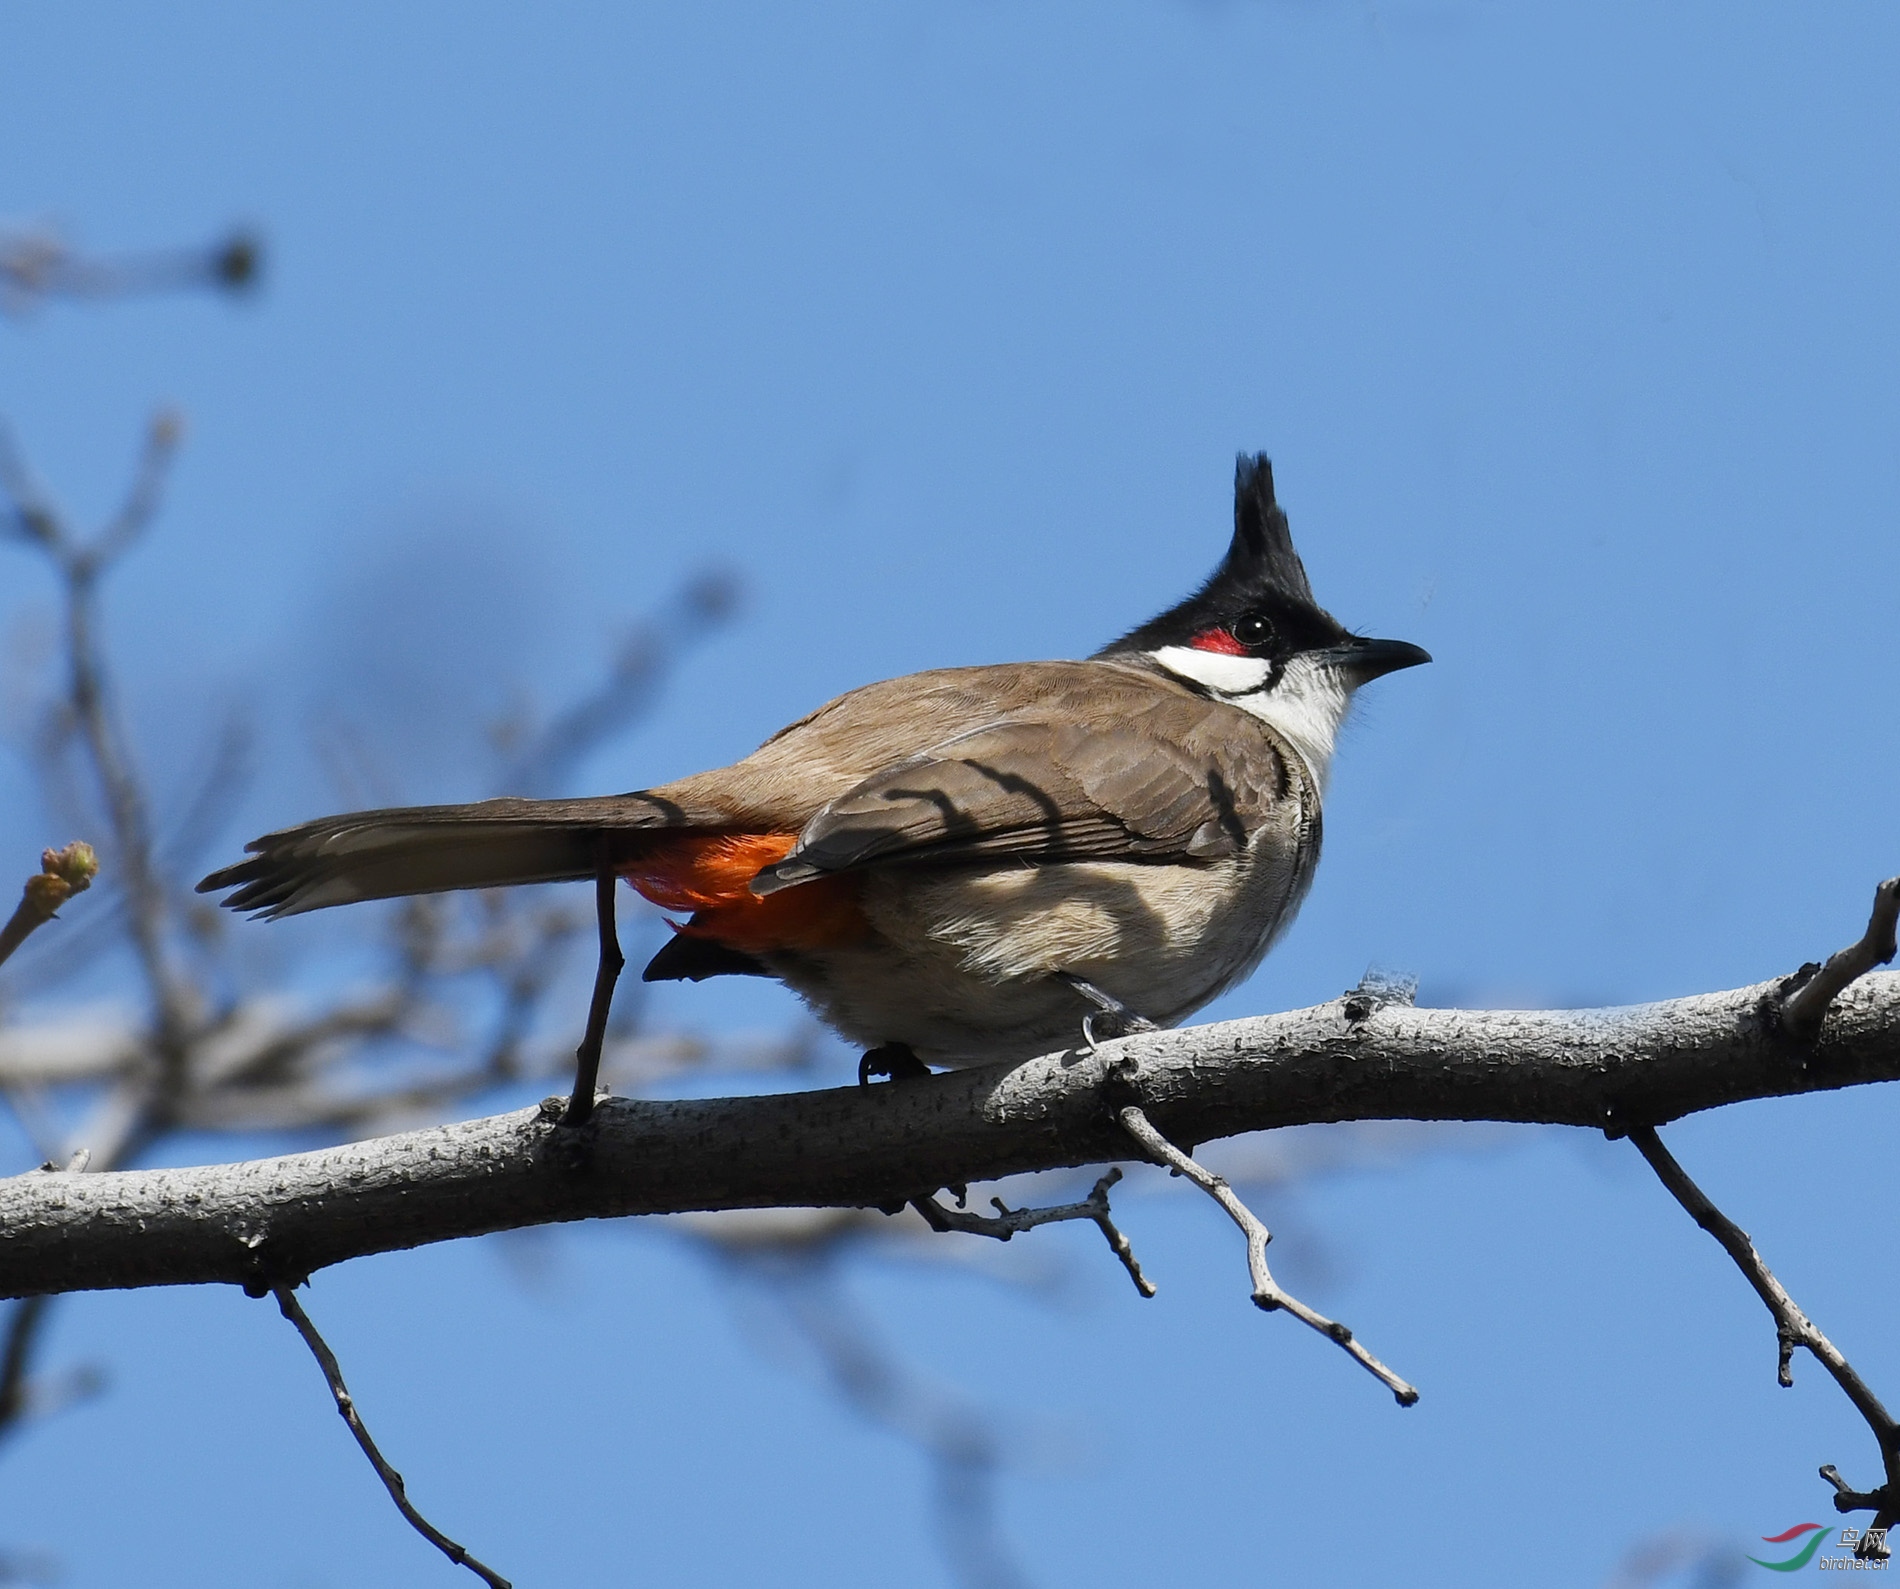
(37, 264)
(246, 1063)
(28, 1567)
(963, 1445)
(540, 759)
(24, 1321)
(1679, 1556)
(86, 706)
(455, 1009)
(23, 1397)
(206, 1053)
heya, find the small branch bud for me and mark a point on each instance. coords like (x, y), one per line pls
(62, 874)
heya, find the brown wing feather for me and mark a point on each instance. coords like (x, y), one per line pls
(827, 753)
(1176, 778)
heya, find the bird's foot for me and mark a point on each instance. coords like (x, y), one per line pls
(1110, 1018)
(895, 1060)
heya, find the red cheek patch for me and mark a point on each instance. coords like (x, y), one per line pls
(1218, 640)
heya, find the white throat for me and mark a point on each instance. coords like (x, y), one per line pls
(1306, 705)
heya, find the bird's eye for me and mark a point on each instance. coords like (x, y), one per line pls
(1254, 631)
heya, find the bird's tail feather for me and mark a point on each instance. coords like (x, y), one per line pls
(430, 849)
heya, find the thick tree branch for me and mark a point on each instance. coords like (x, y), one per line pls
(272, 1220)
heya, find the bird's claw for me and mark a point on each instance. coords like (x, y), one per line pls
(898, 1061)
(1110, 1018)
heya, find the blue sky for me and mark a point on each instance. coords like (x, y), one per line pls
(1572, 332)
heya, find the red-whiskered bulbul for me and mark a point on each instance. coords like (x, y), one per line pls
(954, 866)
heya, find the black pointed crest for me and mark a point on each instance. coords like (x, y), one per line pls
(1262, 550)
(1261, 569)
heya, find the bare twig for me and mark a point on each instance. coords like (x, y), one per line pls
(392, 1480)
(62, 874)
(1803, 1010)
(34, 518)
(1792, 1328)
(23, 1396)
(222, 778)
(541, 758)
(88, 700)
(1007, 1222)
(136, 512)
(28, 1567)
(24, 1323)
(964, 1445)
(1267, 1294)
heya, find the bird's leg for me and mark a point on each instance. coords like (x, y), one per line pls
(899, 1061)
(1112, 1018)
(587, 1056)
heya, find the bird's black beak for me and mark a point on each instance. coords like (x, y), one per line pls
(1362, 661)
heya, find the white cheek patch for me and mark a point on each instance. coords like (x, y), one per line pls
(1215, 670)
(1307, 704)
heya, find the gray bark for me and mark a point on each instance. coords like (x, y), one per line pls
(272, 1221)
